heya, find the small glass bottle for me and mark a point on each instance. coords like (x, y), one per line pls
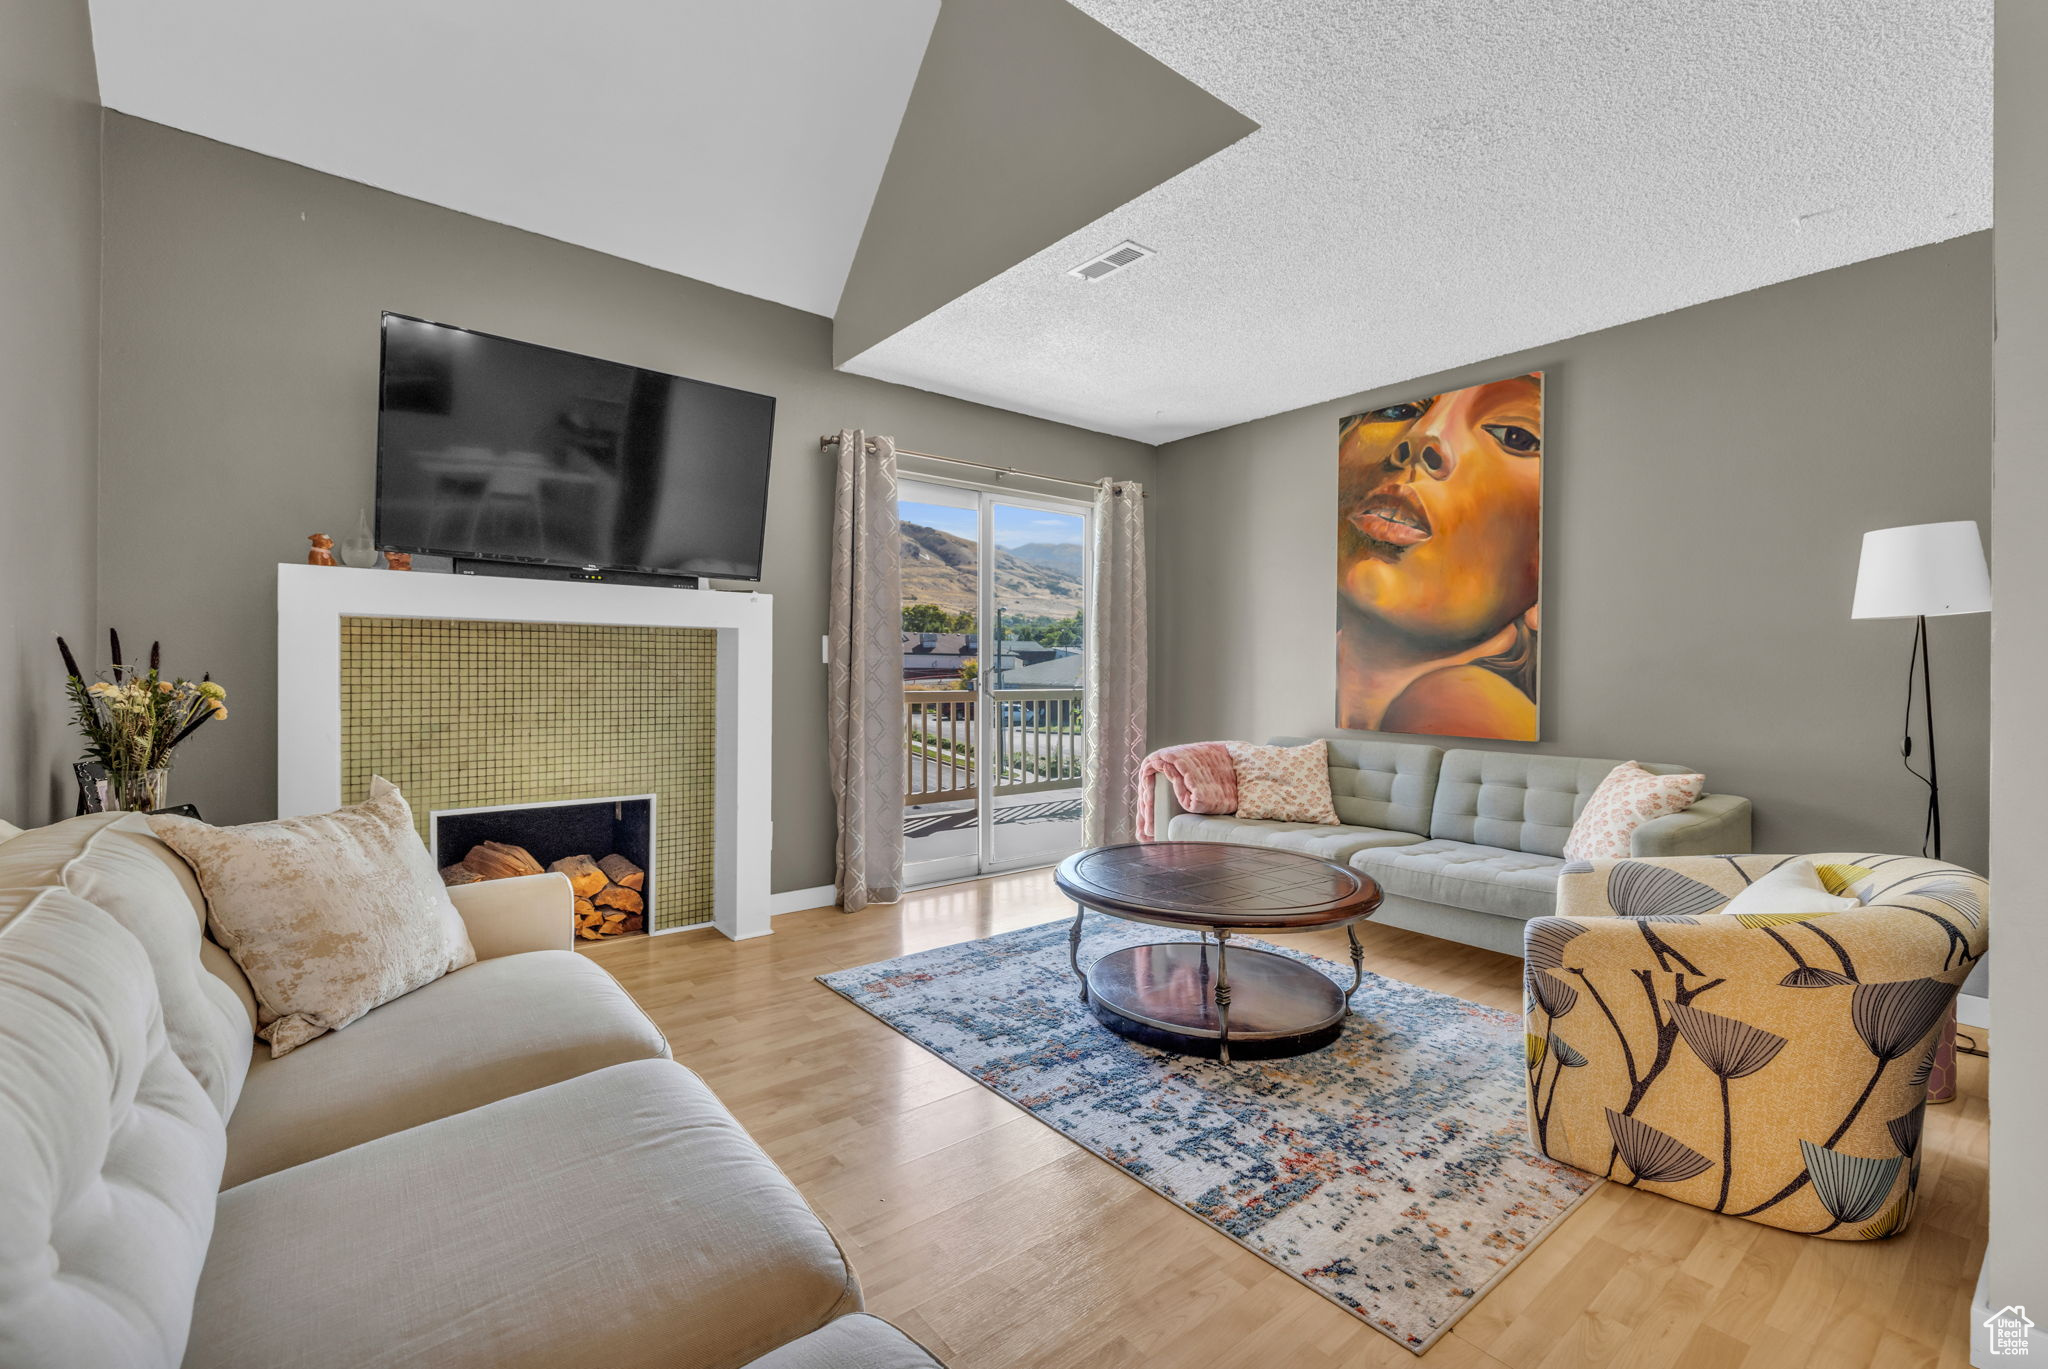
(359, 550)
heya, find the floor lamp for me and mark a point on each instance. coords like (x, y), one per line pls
(1928, 570)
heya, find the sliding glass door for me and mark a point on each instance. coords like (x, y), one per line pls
(992, 718)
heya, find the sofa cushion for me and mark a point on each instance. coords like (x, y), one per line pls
(1517, 801)
(856, 1342)
(114, 862)
(1485, 879)
(1380, 785)
(112, 1151)
(622, 1218)
(499, 1027)
(1312, 838)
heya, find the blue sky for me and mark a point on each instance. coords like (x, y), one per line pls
(1014, 526)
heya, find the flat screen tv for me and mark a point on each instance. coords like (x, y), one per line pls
(494, 450)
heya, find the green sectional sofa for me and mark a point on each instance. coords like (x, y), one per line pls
(1467, 844)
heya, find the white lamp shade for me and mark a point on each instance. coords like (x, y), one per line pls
(1929, 569)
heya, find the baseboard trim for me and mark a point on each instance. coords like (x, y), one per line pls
(1982, 1356)
(1973, 1010)
(802, 900)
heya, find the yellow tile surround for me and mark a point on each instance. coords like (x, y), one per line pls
(463, 714)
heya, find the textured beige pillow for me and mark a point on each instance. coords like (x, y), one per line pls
(328, 915)
(1285, 783)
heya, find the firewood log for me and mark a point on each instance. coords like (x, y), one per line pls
(620, 897)
(633, 923)
(496, 860)
(588, 933)
(583, 906)
(459, 873)
(584, 876)
(623, 872)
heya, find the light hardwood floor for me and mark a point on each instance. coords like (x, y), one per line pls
(998, 1242)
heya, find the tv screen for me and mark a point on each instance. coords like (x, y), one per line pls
(491, 449)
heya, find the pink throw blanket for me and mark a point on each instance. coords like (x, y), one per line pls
(1203, 779)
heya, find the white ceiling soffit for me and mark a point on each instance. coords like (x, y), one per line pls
(1433, 184)
(739, 143)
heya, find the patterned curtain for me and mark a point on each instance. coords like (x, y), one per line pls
(1117, 668)
(865, 711)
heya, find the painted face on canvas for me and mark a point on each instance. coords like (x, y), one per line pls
(1439, 512)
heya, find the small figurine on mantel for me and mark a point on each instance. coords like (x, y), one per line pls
(398, 560)
(322, 553)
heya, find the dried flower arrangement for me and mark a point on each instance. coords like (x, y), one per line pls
(133, 719)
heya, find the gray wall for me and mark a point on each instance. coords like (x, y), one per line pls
(1709, 475)
(49, 367)
(242, 302)
(2016, 1262)
(1029, 121)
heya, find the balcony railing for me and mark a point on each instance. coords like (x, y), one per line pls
(1036, 744)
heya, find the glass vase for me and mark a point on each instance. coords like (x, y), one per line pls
(360, 549)
(136, 791)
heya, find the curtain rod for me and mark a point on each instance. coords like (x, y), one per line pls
(831, 440)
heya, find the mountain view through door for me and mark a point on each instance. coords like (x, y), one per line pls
(1007, 702)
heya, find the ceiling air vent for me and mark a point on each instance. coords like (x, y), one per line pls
(1110, 262)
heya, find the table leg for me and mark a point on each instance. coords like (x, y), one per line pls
(1223, 996)
(1074, 949)
(1357, 967)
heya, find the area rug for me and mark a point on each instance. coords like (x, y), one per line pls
(1390, 1171)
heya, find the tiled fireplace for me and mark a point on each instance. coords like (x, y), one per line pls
(462, 713)
(473, 693)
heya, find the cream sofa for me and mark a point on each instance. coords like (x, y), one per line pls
(503, 1168)
(1465, 844)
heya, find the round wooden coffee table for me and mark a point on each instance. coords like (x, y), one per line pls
(1194, 997)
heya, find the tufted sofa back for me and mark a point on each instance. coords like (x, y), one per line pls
(113, 1149)
(1380, 784)
(1521, 802)
(114, 861)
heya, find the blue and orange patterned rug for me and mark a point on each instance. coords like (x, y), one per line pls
(1390, 1171)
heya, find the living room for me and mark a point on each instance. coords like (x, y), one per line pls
(881, 685)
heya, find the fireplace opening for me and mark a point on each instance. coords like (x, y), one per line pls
(605, 846)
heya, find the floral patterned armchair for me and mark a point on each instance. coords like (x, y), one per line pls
(1772, 1067)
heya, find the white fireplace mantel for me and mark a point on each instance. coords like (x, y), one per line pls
(312, 601)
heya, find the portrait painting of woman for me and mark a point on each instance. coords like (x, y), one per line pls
(1439, 557)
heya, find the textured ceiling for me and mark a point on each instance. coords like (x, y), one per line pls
(739, 143)
(1434, 184)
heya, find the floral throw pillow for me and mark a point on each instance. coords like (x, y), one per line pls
(1284, 783)
(1629, 797)
(328, 915)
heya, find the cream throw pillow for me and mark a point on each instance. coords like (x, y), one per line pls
(328, 916)
(1629, 797)
(1284, 783)
(1794, 889)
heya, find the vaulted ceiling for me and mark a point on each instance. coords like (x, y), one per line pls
(738, 143)
(1340, 194)
(1437, 183)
